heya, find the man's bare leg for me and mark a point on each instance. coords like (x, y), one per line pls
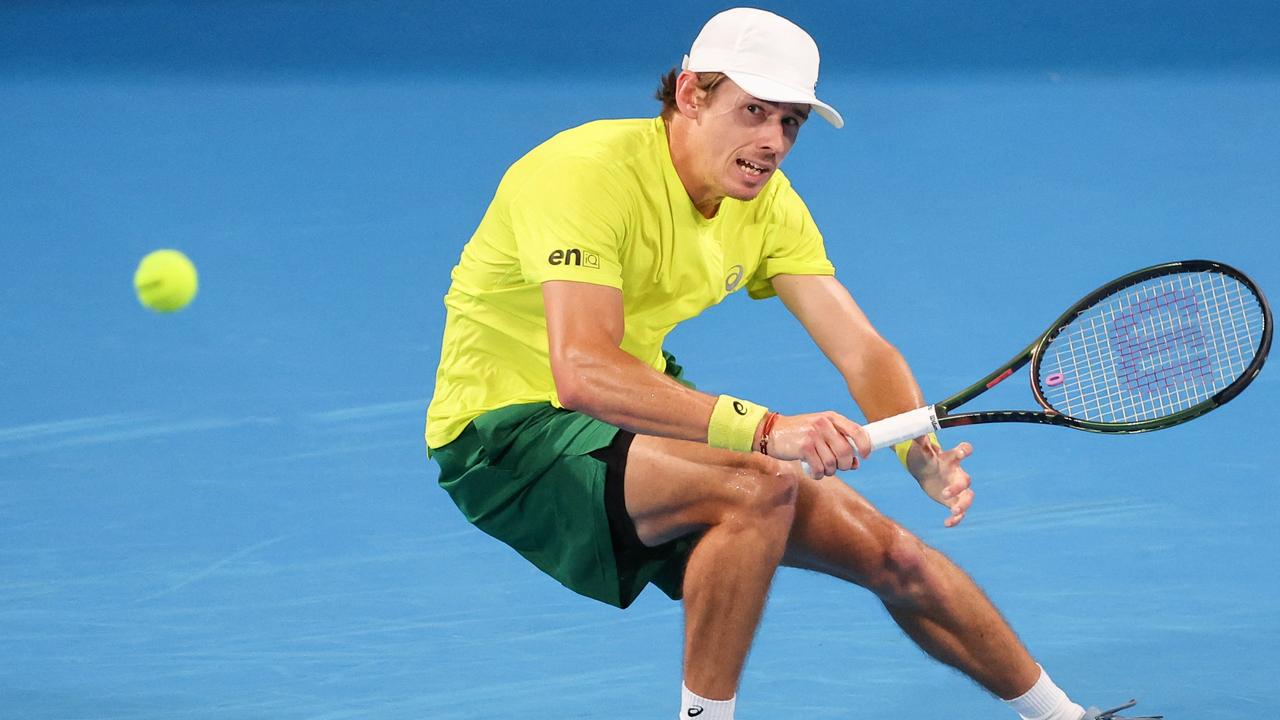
(839, 533)
(725, 585)
(745, 504)
(675, 487)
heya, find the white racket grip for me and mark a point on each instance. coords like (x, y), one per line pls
(892, 430)
(905, 426)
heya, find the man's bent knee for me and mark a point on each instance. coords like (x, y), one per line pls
(760, 490)
(904, 576)
(673, 491)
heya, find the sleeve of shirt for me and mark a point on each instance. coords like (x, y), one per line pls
(793, 245)
(569, 221)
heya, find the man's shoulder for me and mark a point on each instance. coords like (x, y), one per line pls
(607, 142)
(600, 157)
(607, 132)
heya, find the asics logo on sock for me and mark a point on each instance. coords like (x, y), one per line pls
(695, 711)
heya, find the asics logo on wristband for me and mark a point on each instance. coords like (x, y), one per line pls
(739, 408)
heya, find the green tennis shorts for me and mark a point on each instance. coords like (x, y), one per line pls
(549, 483)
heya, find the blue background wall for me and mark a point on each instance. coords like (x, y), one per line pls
(227, 513)
(380, 39)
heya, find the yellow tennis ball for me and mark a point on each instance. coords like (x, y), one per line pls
(165, 280)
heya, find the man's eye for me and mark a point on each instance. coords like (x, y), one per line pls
(753, 109)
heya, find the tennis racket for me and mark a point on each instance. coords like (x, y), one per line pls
(1146, 351)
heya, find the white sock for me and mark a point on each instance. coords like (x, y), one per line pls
(1045, 701)
(694, 706)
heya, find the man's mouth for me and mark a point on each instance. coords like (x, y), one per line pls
(752, 168)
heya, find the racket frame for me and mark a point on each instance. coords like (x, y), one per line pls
(1033, 353)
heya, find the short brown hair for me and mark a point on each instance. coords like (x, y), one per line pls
(666, 94)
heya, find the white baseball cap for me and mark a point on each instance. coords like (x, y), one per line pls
(768, 56)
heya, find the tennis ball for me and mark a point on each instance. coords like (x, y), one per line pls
(165, 280)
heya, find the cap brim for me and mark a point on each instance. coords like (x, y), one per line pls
(774, 91)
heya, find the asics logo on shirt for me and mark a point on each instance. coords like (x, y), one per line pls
(574, 256)
(734, 278)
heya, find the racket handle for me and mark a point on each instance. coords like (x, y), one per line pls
(905, 426)
(892, 430)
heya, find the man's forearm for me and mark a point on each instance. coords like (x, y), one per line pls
(615, 387)
(883, 385)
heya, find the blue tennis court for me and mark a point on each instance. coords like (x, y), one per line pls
(228, 512)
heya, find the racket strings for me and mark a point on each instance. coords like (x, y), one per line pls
(1153, 349)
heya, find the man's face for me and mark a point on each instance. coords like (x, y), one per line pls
(741, 140)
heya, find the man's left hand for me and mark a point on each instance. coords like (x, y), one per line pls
(940, 476)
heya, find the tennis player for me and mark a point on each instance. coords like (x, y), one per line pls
(563, 428)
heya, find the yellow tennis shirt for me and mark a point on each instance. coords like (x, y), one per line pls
(601, 204)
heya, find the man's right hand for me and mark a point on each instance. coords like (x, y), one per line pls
(821, 440)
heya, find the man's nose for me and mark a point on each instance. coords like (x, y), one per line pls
(773, 136)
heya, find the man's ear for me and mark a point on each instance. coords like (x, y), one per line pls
(689, 98)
